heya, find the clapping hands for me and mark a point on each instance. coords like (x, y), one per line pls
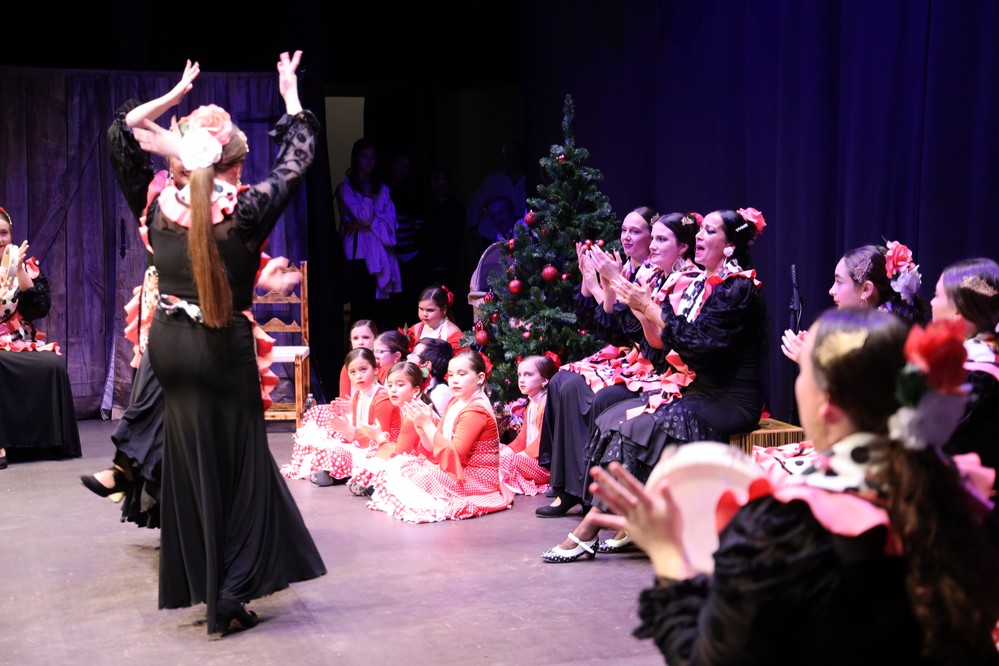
(419, 412)
(649, 514)
(790, 344)
(635, 296)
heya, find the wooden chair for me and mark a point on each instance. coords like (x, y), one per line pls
(284, 353)
(769, 432)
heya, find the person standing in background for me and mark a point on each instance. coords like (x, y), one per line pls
(367, 224)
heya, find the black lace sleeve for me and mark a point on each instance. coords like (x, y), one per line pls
(36, 302)
(731, 311)
(261, 205)
(133, 167)
(772, 557)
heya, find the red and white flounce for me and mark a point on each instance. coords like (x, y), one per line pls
(416, 490)
(616, 365)
(522, 474)
(17, 334)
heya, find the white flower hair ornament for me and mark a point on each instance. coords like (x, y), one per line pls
(199, 149)
(203, 133)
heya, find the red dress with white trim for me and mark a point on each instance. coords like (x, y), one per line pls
(447, 331)
(456, 477)
(319, 447)
(519, 468)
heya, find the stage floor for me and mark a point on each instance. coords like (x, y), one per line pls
(79, 586)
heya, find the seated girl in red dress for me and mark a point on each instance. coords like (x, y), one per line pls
(362, 334)
(434, 323)
(456, 474)
(519, 469)
(390, 348)
(405, 383)
(328, 441)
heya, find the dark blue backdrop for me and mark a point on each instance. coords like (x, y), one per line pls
(844, 121)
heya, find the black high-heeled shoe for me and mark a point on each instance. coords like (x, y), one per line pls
(565, 504)
(121, 483)
(233, 616)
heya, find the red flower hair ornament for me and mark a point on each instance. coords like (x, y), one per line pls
(754, 217)
(932, 386)
(902, 271)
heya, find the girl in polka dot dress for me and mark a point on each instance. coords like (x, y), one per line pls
(404, 384)
(519, 467)
(457, 474)
(328, 442)
(362, 334)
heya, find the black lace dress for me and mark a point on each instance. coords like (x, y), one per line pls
(724, 345)
(230, 528)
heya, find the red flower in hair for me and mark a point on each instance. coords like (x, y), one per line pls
(897, 258)
(754, 217)
(212, 118)
(938, 351)
(554, 357)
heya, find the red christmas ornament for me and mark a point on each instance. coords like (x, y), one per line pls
(489, 297)
(509, 244)
(587, 243)
(512, 267)
(494, 317)
(560, 159)
(478, 325)
(582, 331)
(532, 218)
(526, 335)
(515, 286)
(565, 277)
(549, 273)
(481, 338)
(600, 242)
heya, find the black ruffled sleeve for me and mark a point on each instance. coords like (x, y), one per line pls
(619, 328)
(261, 205)
(36, 302)
(133, 167)
(731, 311)
(978, 430)
(773, 557)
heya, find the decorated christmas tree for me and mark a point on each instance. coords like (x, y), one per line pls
(530, 310)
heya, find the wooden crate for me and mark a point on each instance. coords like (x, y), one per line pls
(770, 432)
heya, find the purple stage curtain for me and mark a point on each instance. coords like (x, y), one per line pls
(57, 183)
(845, 122)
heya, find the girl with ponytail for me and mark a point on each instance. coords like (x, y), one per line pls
(207, 236)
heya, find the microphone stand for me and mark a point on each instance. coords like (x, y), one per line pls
(795, 325)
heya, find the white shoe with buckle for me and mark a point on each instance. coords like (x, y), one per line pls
(559, 555)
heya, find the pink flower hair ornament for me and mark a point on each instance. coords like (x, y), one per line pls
(902, 272)
(754, 217)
